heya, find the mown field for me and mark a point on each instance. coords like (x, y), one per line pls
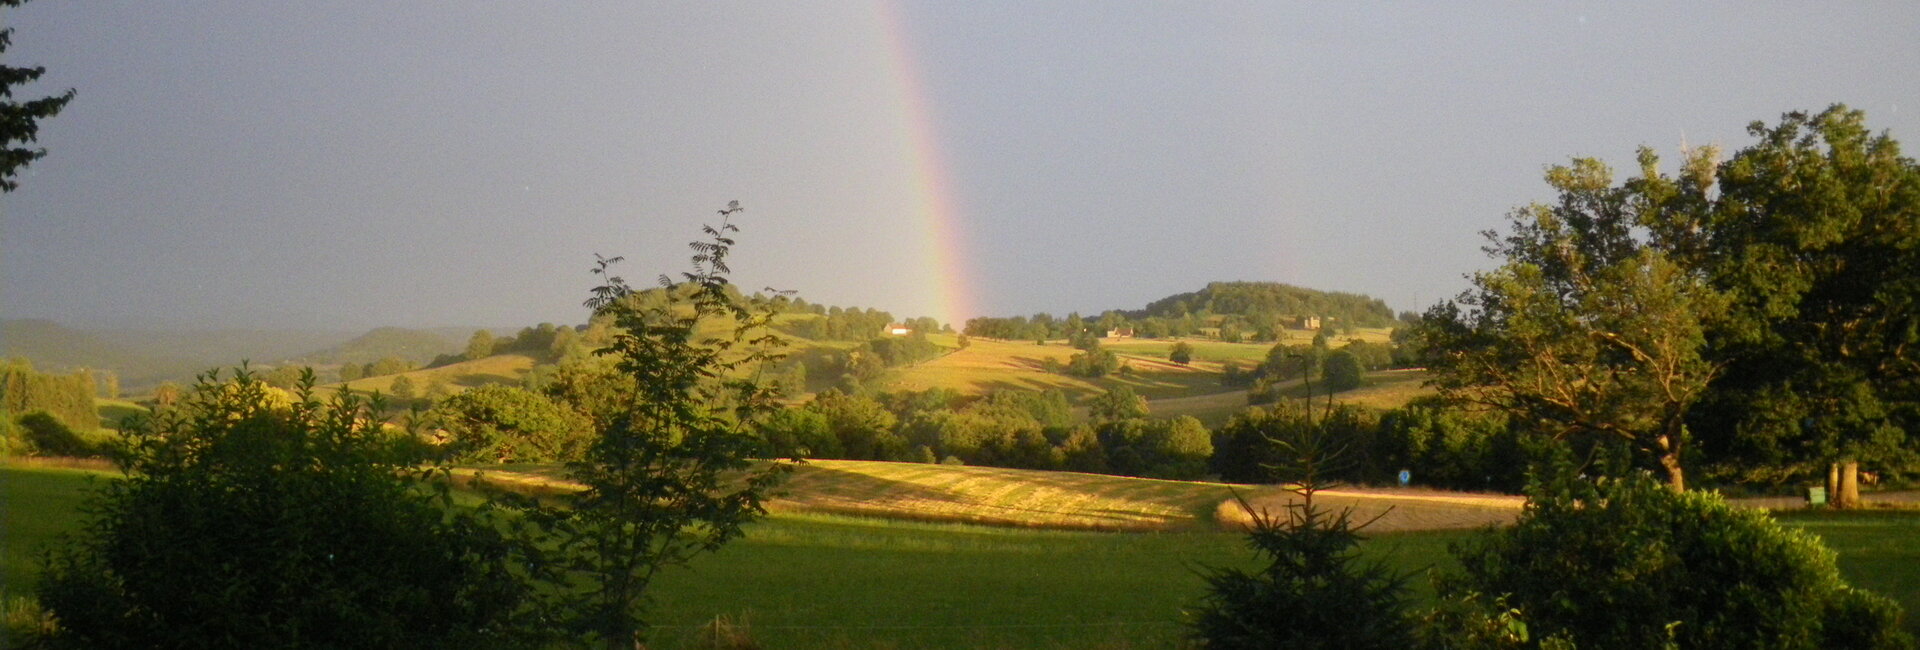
(1065, 500)
(1384, 389)
(987, 365)
(802, 579)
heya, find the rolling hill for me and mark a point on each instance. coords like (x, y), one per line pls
(496, 369)
(418, 346)
(54, 347)
(1249, 298)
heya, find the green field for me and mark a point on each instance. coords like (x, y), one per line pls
(112, 410)
(36, 505)
(863, 583)
(801, 580)
(1879, 550)
(1205, 350)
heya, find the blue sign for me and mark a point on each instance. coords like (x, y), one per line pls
(1405, 476)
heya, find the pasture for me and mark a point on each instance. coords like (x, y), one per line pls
(1384, 389)
(802, 580)
(987, 365)
(113, 410)
(496, 369)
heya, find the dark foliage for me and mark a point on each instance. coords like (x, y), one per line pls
(1313, 591)
(500, 424)
(20, 121)
(1627, 563)
(245, 522)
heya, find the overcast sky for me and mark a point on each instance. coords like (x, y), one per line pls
(345, 165)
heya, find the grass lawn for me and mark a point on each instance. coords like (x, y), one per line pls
(813, 581)
(1879, 551)
(36, 505)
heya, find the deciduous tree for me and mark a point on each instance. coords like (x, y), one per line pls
(1585, 330)
(1182, 353)
(669, 474)
(480, 345)
(499, 424)
(1118, 403)
(1815, 233)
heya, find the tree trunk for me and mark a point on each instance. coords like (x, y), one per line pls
(1833, 485)
(1676, 476)
(1849, 484)
(1668, 445)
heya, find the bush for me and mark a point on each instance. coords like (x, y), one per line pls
(1094, 363)
(1629, 563)
(1343, 371)
(1453, 448)
(1175, 449)
(500, 424)
(1181, 353)
(243, 523)
(799, 432)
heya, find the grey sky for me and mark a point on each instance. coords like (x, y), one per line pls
(357, 164)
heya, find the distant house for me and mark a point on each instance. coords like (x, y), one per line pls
(898, 329)
(1122, 332)
(1307, 323)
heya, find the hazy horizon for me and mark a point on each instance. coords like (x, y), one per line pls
(322, 167)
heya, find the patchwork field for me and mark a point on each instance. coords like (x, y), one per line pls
(987, 365)
(1385, 389)
(1068, 500)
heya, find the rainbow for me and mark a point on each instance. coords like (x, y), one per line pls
(943, 245)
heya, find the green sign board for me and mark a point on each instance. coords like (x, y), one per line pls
(1816, 496)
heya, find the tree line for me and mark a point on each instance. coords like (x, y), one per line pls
(1753, 316)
